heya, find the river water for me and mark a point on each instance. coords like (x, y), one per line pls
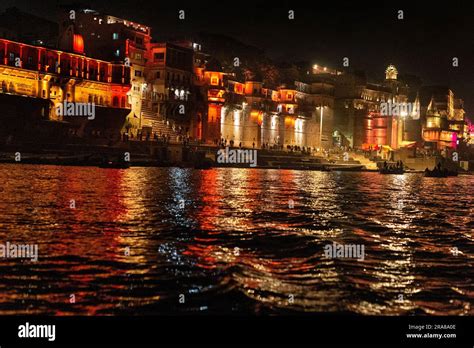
(171, 240)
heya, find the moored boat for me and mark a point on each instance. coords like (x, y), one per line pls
(392, 171)
(440, 173)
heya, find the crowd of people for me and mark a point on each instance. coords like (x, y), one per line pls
(391, 166)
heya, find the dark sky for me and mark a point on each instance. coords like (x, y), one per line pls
(369, 34)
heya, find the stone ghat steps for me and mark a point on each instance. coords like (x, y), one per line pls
(158, 125)
(364, 160)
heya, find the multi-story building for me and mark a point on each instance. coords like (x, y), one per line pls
(360, 117)
(458, 122)
(106, 37)
(440, 115)
(168, 97)
(58, 76)
(175, 90)
(212, 84)
(253, 114)
(322, 103)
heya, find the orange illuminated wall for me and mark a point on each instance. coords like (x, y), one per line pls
(275, 96)
(78, 44)
(290, 122)
(375, 129)
(288, 108)
(257, 117)
(119, 96)
(214, 113)
(216, 95)
(239, 88)
(287, 94)
(214, 78)
(212, 128)
(431, 135)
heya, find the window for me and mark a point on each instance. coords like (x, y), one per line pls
(115, 36)
(158, 75)
(139, 40)
(138, 56)
(138, 73)
(159, 56)
(214, 81)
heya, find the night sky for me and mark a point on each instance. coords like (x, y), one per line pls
(369, 34)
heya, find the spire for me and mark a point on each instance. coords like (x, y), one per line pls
(432, 109)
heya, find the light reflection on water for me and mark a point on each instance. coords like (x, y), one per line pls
(237, 245)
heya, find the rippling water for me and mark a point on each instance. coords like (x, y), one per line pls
(229, 241)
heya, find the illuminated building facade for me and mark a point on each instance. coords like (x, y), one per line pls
(255, 115)
(58, 76)
(214, 91)
(252, 114)
(458, 122)
(113, 39)
(442, 117)
(168, 94)
(161, 95)
(176, 90)
(359, 116)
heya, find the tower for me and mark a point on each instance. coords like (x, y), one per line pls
(391, 72)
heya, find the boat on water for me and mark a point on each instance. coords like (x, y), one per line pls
(345, 168)
(397, 168)
(392, 171)
(439, 173)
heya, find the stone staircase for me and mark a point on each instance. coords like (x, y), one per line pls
(158, 124)
(371, 165)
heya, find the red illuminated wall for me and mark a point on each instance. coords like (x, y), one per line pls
(78, 44)
(375, 129)
(212, 128)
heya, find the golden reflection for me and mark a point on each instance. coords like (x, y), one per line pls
(237, 229)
